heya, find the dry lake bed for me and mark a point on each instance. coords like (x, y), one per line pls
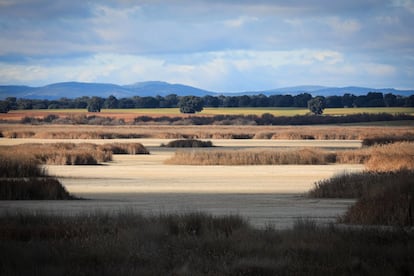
(143, 183)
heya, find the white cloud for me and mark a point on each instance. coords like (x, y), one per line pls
(213, 44)
(344, 26)
(379, 70)
(240, 21)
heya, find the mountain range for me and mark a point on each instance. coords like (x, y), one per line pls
(154, 88)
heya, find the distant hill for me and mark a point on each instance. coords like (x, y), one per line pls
(154, 88)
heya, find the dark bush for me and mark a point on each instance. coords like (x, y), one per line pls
(391, 204)
(383, 140)
(356, 185)
(125, 148)
(193, 244)
(19, 167)
(188, 143)
(33, 189)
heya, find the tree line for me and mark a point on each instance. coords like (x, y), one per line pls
(95, 104)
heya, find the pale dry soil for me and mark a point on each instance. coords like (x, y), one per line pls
(143, 183)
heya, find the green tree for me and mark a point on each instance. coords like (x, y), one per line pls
(111, 102)
(95, 104)
(4, 107)
(190, 104)
(317, 105)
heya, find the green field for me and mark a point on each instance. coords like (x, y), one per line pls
(276, 111)
(208, 111)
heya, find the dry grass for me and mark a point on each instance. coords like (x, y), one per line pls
(305, 156)
(389, 139)
(23, 179)
(13, 166)
(390, 201)
(59, 153)
(33, 189)
(357, 185)
(70, 153)
(394, 157)
(381, 158)
(201, 132)
(193, 244)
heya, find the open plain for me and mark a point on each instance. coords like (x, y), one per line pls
(143, 183)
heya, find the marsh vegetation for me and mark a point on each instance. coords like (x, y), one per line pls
(194, 244)
(199, 243)
(24, 179)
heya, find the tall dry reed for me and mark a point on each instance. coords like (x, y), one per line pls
(380, 158)
(46, 188)
(59, 153)
(71, 153)
(389, 202)
(13, 166)
(202, 132)
(253, 157)
(194, 244)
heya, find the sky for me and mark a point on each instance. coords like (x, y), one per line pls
(221, 46)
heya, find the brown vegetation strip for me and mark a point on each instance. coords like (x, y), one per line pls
(194, 244)
(200, 132)
(47, 188)
(389, 202)
(69, 153)
(306, 156)
(389, 157)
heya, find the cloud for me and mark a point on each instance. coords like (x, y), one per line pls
(214, 44)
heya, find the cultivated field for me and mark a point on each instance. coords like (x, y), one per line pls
(321, 132)
(130, 114)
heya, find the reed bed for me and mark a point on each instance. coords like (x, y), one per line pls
(59, 153)
(201, 132)
(69, 153)
(14, 166)
(389, 202)
(388, 139)
(381, 158)
(357, 185)
(193, 244)
(393, 157)
(46, 188)
(303, 156)
(24, 179)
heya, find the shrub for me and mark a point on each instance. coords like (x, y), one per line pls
(383, 140)
(188, 143)
(125, 148)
